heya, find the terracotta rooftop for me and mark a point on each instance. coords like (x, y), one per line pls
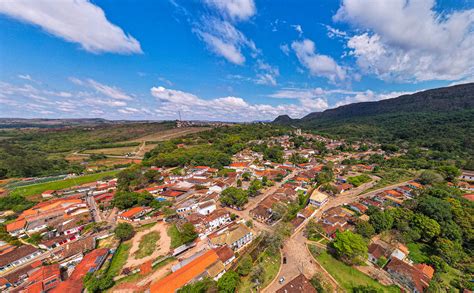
(300, 284)
(185, 274)
(132, 212)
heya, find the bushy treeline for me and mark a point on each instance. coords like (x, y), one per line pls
(40, 152)
(212, 148)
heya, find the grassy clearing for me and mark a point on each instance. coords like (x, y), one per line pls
(147, 244)
(418, 252)
(119, 259)
(175, 235)
(61, 184)
(270, 264)
(347, 276)
(169, 134)
(359, 179)
(390, 177)
(120, 151)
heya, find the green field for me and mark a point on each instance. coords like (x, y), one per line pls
(61, 184)
(147, 244)
(119, 259)
(349, 277)
(175, 236)
(390, 177)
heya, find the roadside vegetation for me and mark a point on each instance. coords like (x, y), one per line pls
(348, 277)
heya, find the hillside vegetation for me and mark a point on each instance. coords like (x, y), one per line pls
(440, 119)
(40, 152)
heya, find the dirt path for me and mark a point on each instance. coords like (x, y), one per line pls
(162, 247)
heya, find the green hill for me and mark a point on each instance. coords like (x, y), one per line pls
(441, 119)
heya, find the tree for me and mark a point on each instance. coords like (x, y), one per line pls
(430, 177)
(450, 172)
(313, 230)
(124, 200)
(257, 274)
(427, 227)
(246, 176)
(350, 247)
(233, 196)
(228, 282)
(365, 229)
(255, 187)
(245, 265)
(188, 233)
(381, 261)
(124, 231)
(450, 251)
(278, 211)
(274, 154)
(325, 176)
(381, 221)
(296, 159)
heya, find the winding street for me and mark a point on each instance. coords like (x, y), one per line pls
(299, 259)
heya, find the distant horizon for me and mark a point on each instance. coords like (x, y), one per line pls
(240, 60)
(200, 120)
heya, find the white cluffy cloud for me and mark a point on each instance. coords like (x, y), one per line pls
(408, 40)
(107, 90)
(267, 74)
(369, 96)
(77, 21)
(317, 96)
(234, 9)
(225, 108)
(318, 64)
(224, 39)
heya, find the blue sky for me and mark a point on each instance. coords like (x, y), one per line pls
(233, 60)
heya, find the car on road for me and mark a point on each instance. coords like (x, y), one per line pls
(284, 260)
(282, 279)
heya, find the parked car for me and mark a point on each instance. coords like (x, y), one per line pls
(282, 279)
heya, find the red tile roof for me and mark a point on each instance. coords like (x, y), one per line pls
(91, 262)
(185, 274)
(132, 212)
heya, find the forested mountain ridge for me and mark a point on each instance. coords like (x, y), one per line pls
(442, 119)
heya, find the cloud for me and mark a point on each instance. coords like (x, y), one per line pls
(298, 29)
(317, 64)
(25, 77)
(369, 96)
(234, 9)
(334, 32)
(77, 21)
(225, 108)
(224, 39)
(285, 49)
(409, 40)
(109, 91)
(267, 74)
(298, 93)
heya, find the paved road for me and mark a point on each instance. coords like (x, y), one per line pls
(298, 258)
(94, 209)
